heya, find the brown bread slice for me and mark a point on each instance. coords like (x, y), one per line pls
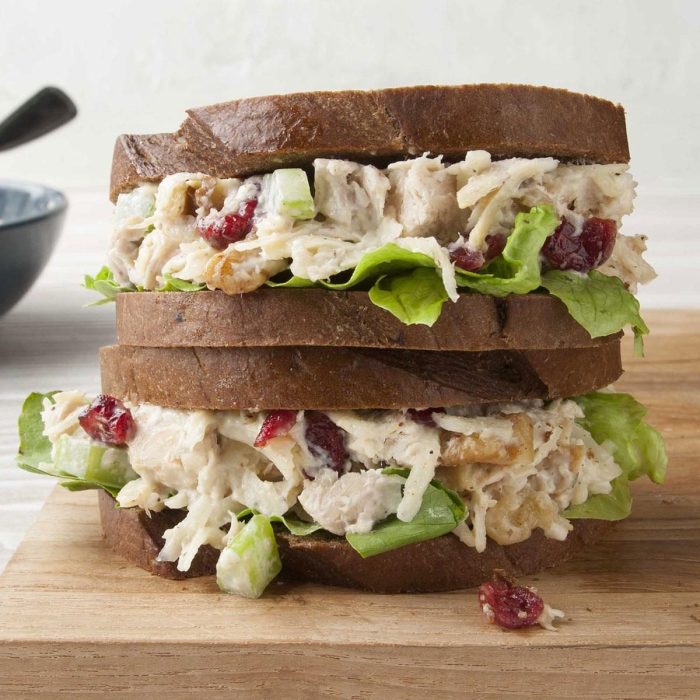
(441, 564)
(351, 378)
(320, 317)
(258, 134)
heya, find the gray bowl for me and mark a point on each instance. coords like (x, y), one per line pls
(31, 217)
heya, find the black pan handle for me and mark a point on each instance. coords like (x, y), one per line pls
(40, 114)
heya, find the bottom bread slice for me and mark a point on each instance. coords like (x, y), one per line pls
(441, 564)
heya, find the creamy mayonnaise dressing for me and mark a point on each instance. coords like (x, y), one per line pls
(516, 467)
(422, 205)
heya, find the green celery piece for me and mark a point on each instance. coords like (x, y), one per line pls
(250, 561)
(290, 193)
(34, 454)
(93, 462)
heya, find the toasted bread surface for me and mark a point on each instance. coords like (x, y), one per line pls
(350, 378)
(259, 134)
(440, 564)
(320, 317)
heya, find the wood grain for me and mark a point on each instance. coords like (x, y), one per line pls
(74, 618)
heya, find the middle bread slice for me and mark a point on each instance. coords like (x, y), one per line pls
(353, 378)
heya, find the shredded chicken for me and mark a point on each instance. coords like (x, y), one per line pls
(515, 466)
(422, 205)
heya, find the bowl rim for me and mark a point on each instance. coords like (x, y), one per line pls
(60, 208)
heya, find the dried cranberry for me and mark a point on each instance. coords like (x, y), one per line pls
(424, 416)
(467, 259)
(326, 440)
(229, 228)
(507, 604)
(107, 420)
(566, 249)
(472, 260)
(276, 423)
(496, 243)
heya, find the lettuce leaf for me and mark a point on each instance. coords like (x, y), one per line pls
(619, 420)
(616, 505)
(34, 454)
(600, 303)
(517, 269)
(294, 525)
(175, 284)
(638, 449)
(406, 284)
(390, 259)
(441, 511)
(413, 297)
(104, 283)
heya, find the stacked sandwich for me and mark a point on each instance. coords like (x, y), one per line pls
(364, 338)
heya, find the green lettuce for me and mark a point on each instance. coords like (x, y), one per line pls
(406, 284)
(517, 269)
(600, 303)
(294, 525)
(440, 512)
(175, 284)
(34, 454)
(616, 505)
(104, 283)
(413, 297)
(390, 259)
(638, 449)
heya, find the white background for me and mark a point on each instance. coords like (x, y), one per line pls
(135, 66)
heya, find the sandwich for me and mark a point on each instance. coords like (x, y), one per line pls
(364, 339)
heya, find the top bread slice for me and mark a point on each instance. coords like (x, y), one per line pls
(259, 134)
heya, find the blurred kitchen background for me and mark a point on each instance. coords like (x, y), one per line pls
(136, 65)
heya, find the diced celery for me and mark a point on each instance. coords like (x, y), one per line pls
(92, 461)
(250, 561)
(139, 203)
(288, 193)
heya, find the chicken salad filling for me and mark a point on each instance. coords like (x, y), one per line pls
(491, 226)
(381, 479)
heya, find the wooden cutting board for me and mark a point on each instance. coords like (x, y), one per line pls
(75, 618)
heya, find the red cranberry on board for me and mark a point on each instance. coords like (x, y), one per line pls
(566, 249)
(276, 423)
(507, 604)
(326, 441)
(229, 228)
(107, 420)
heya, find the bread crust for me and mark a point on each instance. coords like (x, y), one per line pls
(321, 317)
(242, 137)
(441, 564)
(350, 378)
